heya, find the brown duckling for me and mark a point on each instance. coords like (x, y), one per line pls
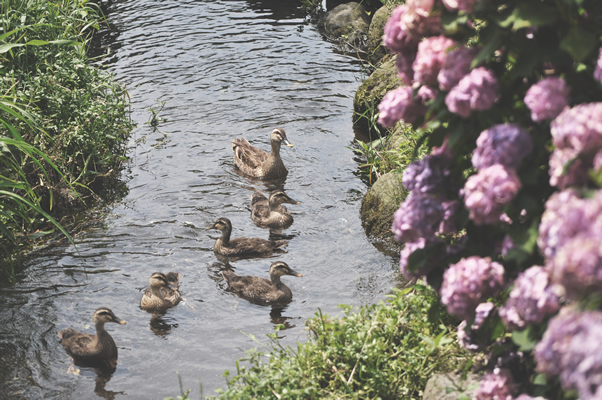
(270, 213)
(260, 290)
(242, 247)
(259, 163)
(162, 292)
(86, 349)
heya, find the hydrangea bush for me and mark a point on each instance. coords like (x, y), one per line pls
(504, 217)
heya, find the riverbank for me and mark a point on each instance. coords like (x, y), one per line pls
(66, 121)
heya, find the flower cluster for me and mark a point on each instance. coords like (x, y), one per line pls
(430, 58)
(468, 282)
(455, 67)
(598, 70)
(497, 385)
(418, 217)
(487, 192)
(429, 174)
(399, 105)
(476, 91)
(577, 136)
(531, 299)
(566, 350)
(547, 98)
(504, 144)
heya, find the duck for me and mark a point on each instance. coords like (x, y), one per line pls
(93, 350)
(260, 290)
(243, 246)
(270, 213)
(259, 163)
(162, 292)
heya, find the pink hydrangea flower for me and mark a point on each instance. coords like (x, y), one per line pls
(418, 217)
(476, 91)
(565, 217)
(408, 23)
(455, 67)
(404, 67)
(598, 70)
(468, 282)
(487, 192)
(579, 128)
(566, 350)
(459, 5)
(395, 36)
(431, 55)
(532, 298)
(399, 105)
(547, 98)
(576, 174)
(598, 161)
(429, 174)
(504, 144)
(578, 265)
(448, 224)
(497, 385)
(426, 94)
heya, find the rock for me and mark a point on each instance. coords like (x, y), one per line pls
(347, 23)
(376, 50)
(380, 203)
(450, 387)
(372, 90)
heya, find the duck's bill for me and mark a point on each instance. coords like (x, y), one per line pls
(291, 201)
(295, 273)
(120, 321)
(287, 143)
(210, 227)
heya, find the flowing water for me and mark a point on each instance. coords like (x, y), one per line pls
(224, 69)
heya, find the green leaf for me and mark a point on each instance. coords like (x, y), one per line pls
(526, 15)
(493, 38)
(579, 43)
(523, 340)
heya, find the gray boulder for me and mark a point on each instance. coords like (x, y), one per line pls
(347, 23)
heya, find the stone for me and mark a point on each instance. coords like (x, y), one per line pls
(380, 203)
(347, 23)
(376, 49)
(450, 387)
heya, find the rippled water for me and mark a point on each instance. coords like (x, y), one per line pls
(224, 69)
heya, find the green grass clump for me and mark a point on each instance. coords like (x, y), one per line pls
(387, 350)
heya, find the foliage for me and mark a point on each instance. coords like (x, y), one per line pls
(386, 350)
(502, 213)
(80, 113)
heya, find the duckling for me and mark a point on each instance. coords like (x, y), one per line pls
(259, 163)
(86, 349)
(242, 247)
(270, 213)
(263, 291)
(160, 296)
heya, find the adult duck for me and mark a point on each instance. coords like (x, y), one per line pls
(258, 163)
(243, 246)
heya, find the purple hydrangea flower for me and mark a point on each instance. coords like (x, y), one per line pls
(418, 217)
(497, 385)
(547, 98)
(566, 350)
(505, 144)
(597, 163)
(429, 174)
(459, 5)
(578, 265)
(429, 59)
(468, 282)
(576, 174)
(566, 216)
(470, 339)
(448, 224)
(476, 91)
(506, 245)
(525, 396)
(487, 192)
(598, 70)
(455, 67)
(404, 63)
(579, 128)
(532, 298)
(399, 105)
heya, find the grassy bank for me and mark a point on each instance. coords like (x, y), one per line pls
(70, 115)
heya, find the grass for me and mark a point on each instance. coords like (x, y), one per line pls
(387, 350)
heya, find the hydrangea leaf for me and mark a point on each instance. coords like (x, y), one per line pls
(523, 340)
(579, 43)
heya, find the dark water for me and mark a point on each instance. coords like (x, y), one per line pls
(224, 69)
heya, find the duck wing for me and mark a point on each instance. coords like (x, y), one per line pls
(249, 287)
(247, 155)
(256, 245)
(260, 207)
(173, 296)
(76, 343)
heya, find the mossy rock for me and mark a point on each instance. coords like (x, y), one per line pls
(347, 23)
(376, 50)
(380, 203)
(373, 89)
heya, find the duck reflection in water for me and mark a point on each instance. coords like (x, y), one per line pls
(162, 294)
(277, 318)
